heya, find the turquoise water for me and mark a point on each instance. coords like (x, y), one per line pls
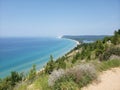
(19, 54)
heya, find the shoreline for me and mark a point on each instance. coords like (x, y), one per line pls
(40, 69)
(77, 43)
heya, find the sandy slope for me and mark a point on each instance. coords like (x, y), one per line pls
(109, 80)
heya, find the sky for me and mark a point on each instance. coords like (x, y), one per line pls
(38, 18)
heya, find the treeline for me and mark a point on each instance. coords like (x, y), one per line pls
(75, 78)
(100, 49)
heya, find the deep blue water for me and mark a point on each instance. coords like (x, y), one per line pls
(19, 54)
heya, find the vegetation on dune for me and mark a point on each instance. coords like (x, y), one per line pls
(112, 51)
(51, 65)
(105, 65)
(32, 73)
(79, 75)
(74, 70)
(9, 82)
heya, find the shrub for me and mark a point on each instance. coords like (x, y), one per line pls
(106, 55)
(65, 85)
(32, 72)
(108, 64)
(9, 82)
(60, 63)
(82, 70)
(50, 66)
(80, 75)
(55, 75)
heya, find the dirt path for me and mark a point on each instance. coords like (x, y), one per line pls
(109, 80)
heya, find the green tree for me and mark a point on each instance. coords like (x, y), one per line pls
(10, 81)
(61, 63)
(99, 45)
(98, 52)
(15, 77)
(32, 72)
(116, 37)
(50, 65)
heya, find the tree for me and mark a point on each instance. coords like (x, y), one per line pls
(50, 65)
(15, 77)
(106, 39)
(10, 81)
(98, 52)
(116, 37)
(99, 45)
(61, 63)
(32, 72)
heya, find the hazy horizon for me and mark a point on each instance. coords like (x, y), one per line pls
(51, 18)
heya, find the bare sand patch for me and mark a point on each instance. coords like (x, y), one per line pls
(108, 80)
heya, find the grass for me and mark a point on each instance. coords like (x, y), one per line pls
(65, 85)
(41, 83)
(21, 86)
(105, 65)
(72, 79)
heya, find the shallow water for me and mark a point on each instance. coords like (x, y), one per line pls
(19, 54)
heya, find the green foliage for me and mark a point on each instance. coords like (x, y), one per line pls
(116, 38)
(100, 47)
(74, 79)
(9, 82)
(86, 79)
(50, 65)
(107, 39)
(79, 76)
(21, 86)
(41, 83)
(32, 72)
(60, 63)
(105, 65)
(98, 52)
(112, 51)
(15, 77)
(65, 83)
(76, 57)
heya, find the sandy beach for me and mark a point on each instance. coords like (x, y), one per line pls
(109, 80)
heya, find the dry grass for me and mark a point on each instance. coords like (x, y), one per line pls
(56, 74)
(79, 75)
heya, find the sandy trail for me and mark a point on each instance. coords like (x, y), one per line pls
(109, 80)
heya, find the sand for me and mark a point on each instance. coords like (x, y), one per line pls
(109, 80)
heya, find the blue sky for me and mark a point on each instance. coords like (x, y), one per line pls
(36, 18)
